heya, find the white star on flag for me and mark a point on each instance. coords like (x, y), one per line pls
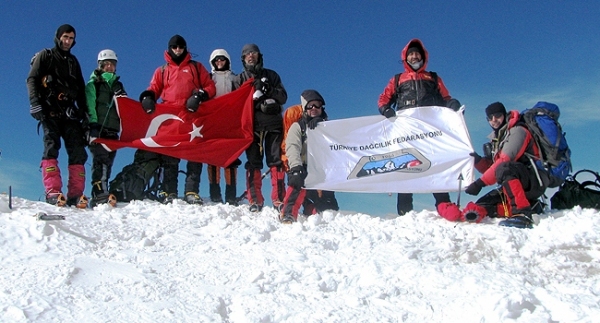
(196, 132)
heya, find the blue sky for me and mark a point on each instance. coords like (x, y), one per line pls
(516, 52)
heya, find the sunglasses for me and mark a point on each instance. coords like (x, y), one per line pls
(177, 46)
(220, 59)
(313, 106)
(251, 53)
(496, 115)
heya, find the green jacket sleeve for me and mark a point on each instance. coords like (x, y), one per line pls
(90, 96)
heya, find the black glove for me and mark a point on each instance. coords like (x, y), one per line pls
(453, 104)
(476, 157)
(194, 101)
(312, 124)
(262, 85)
(475, 187)
(94, 130)
(296, 177)
(37, 113)
(389, 113)
(148, 100)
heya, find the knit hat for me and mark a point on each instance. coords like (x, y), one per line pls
(177, 41)
(310, 95)
(495, 107)
(249, 48)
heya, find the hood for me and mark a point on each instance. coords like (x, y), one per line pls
(417, 42)
(219, 52)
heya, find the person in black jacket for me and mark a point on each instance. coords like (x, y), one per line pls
(269, 96)
(57, 100)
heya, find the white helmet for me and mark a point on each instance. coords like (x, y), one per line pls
(107, 54)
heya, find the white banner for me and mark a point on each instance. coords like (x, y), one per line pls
(422, 150)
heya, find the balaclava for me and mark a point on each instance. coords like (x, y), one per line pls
(177, 41)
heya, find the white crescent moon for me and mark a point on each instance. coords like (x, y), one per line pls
(153, 129)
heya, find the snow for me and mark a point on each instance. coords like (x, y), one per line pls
(147, 262)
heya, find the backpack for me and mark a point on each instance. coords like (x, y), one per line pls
(572, 192)
(291, 115)
(542, 122)
(137, 182)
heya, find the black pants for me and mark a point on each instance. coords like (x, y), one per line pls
(267, 144)
(71, 131)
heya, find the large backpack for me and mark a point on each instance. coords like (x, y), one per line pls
(137, 182)
(542, 122)
(291, 115)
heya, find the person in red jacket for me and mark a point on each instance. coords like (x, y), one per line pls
(415, 87)
(186, 83)
(509, 165)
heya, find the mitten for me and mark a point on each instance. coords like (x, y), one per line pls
(194, 101)
(148, 100)
(312, 124)
(475, 187)
(453, 104)
(476, 157)
(94, 130)
(296, 177)
(389, 113)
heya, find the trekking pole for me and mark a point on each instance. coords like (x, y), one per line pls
(243, 195)
(460, 179)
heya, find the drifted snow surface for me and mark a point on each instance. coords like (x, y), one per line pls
(147, 262)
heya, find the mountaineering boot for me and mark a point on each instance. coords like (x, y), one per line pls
(80, 202)
(215, 193)
(255, 208)
(100, 196)
(169, 198)
(517, 221)
(230, 186)
(193, 198)
(56, 198)
(287, 219)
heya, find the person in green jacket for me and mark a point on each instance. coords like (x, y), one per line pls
(104, 122)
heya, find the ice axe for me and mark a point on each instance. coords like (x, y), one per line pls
(243, 195)
(460, 179)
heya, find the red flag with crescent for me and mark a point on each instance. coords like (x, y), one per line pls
(216, 134)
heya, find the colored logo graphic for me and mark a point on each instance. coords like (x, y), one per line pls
(407, 160)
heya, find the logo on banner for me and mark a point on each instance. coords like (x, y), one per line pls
(408, 160)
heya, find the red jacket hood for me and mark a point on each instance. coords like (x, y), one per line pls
(407, 67)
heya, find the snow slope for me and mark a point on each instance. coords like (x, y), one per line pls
(147, 262)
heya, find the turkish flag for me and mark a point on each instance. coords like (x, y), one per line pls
(216, 134)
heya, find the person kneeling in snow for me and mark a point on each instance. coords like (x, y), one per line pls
(314, 201)
(508, 164)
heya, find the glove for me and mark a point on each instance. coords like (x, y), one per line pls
(312, 124)
(194, 101)
(296, 177)
(475, 187)
(148, 100)
(389, 113)
(262, 85)
(476, 157)
(94, 130)
(453, 104)
(37, 113)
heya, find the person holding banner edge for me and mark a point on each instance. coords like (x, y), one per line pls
(415, 87)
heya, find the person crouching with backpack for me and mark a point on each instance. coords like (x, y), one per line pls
(508, 164)
(104, 122)
(314, 201)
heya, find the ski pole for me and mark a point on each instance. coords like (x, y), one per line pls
(243, 195)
